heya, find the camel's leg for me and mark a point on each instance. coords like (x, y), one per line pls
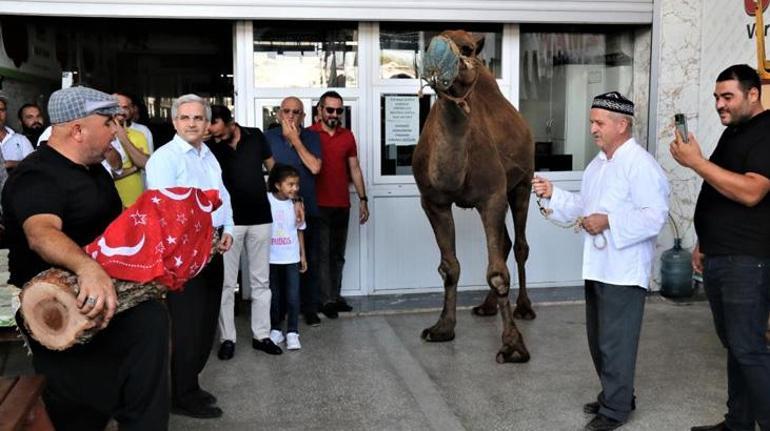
(489, 306)
(444, 229)
(518, 199)
(499, 280)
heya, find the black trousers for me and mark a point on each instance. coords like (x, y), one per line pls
(194, 313)
(121, 373)
(613, 324)
(309, 286)
(332, 239)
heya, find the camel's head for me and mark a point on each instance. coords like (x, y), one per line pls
(451, 58)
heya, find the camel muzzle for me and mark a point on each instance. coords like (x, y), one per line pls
(441, 64)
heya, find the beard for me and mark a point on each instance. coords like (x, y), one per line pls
(33, 133)
(332, 123)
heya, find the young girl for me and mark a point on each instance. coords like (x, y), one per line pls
(287, 254)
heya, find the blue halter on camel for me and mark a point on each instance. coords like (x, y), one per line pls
(441, 66)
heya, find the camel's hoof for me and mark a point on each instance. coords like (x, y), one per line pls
(483, 311)
(437, 336)
(524, 313)
(509, 354)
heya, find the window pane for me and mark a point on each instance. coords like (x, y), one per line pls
(561, 70)
(344, 118)
(402, 46)
(401, 117)
(306, 54)
(270, 116)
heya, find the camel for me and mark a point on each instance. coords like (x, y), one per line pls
(475, 151)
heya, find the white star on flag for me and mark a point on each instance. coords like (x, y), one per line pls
(194, 268)
(156, 200)
(185, 239)
(138, 218)
(170, 239)
(177, 261)
(198, 226)
(181, 218)
(159, 249)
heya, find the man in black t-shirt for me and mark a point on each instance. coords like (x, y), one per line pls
(59, 199)
(241, 152)
(732, 221)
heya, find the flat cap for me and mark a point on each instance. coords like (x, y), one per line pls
(69, 104)
(615, 102)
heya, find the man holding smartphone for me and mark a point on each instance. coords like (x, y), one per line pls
(732, 221)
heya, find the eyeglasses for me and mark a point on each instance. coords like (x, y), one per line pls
(330, 110)
(287, 111)
(194, 118)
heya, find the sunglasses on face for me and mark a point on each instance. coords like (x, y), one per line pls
(287, 111)
(330, 110)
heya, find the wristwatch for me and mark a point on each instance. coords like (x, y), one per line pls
(363, 199)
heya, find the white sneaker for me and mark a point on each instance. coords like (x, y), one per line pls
(292, 341)
(276, 337)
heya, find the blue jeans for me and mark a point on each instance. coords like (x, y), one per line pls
(738, 289)
(284, 285)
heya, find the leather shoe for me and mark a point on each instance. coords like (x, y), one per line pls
(330, 310)
(196, 410)
(593, 408)
(205, 397)
(266, 345)
(721, 426)
(226, 350)
(602, 423)
(342, 306)
(312, 319)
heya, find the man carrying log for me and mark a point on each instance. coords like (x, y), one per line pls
(59, 199)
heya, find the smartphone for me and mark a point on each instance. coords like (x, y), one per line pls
(681, 126)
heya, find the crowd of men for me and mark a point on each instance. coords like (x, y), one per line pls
(95, 161)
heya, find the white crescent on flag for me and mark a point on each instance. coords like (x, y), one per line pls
(177, 197)
(119, 251)
(207, 208)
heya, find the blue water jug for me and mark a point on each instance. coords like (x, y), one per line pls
(676, 272)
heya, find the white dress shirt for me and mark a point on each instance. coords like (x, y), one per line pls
(15, 146)
(179, 164)
(633, 191)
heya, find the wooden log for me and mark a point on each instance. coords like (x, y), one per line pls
(51, 314)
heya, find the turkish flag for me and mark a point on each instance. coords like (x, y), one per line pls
(165, 236)
(751, 6)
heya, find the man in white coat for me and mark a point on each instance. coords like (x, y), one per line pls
(622, 206)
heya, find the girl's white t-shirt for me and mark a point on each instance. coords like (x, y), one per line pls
(284, 246)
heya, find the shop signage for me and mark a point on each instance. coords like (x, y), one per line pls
(751, 9)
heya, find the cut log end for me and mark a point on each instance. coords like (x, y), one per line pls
(52, 316)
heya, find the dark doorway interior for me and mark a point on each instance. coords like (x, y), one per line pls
(155, 60)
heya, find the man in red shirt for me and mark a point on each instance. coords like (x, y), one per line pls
(340, 167)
